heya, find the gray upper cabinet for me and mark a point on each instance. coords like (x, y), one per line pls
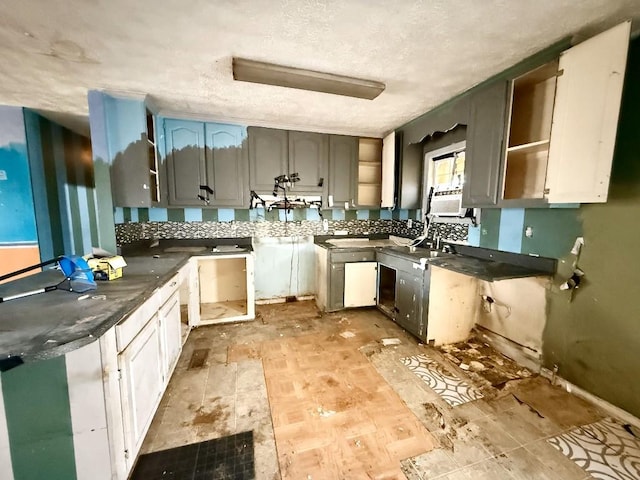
(186, 169)
(485, 144)
(226, 163)
(213, 155)
(268, 157)
(343, 170)
(130, 135)
(308, 155)
(409, 172)
(275, 152)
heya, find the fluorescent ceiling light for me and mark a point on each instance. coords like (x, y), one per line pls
(270, 74)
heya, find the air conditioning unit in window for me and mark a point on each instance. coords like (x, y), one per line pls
(447, 202)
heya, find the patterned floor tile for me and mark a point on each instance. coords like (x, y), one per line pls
(452, 389)
(604, 449)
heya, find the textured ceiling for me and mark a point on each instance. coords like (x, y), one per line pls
(179, 52)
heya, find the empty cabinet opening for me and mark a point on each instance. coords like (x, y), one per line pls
(386, 289)
(530, 132)
(223, 288)
(369, 171)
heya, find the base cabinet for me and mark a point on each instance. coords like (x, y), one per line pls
(345, 278)
(403, 292)
(223, 289)
(142, 383)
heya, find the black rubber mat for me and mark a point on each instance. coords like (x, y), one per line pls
(227, 458)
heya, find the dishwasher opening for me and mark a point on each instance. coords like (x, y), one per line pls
(386, 289)
(223, 289)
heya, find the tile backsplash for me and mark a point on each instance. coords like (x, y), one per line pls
(134, 224)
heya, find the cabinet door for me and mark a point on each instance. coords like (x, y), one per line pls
(408, 301)
(343, 170)
(409, 185)
(129, 140)
(171, 334)
(185, 161)
(268, 157)
(585, 117)
(308, 157)
(141, 384)
(485, 152)
(360, 284)
(226, 169)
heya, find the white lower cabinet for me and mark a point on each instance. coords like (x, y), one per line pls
(142, 381)
(138, 356)
(171, 335)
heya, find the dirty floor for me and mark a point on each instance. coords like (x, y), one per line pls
(326, 399)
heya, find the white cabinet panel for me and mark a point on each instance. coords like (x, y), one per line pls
(171, 334)
(585, 117)
(360, 284)
(142, 385)
(388, 170)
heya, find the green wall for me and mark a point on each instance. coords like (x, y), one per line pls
(36, 402)
(595, 338)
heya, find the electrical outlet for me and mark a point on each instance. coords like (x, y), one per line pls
(409, 223)
(325, 225)
(528, 232)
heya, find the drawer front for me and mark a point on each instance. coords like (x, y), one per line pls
(169, 288)
(348, 257)
(128, 328)
(400, 263)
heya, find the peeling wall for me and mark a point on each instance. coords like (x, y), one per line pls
(595, 338)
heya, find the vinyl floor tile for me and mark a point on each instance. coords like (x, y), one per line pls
(451, 388)
(604, 449)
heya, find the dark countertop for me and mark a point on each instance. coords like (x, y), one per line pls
(50, 324)
(54, 323)
(482, 263)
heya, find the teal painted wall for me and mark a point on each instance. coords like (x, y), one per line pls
(16, 197)
(105, 225)
(284, 266)
(63, 184)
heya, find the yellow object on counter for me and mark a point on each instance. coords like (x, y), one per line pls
(107, 268)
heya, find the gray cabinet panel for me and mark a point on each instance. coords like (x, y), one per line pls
(485, 138)
(409, 170)
(308, 155)
(186, 169)
(343, 169)
(408, 302)
(268, 157)
(226, 165)
(336, 287)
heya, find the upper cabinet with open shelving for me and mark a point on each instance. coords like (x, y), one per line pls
(551, 139)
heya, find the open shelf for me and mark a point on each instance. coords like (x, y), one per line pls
(530, 147)
(152, 156)
(527, 153)
(370, 172)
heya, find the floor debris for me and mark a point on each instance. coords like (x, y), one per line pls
(390, 341)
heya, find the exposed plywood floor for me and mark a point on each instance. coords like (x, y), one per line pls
(219, 310)
(284, 375)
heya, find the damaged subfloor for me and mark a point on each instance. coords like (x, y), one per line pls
(326, 400)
